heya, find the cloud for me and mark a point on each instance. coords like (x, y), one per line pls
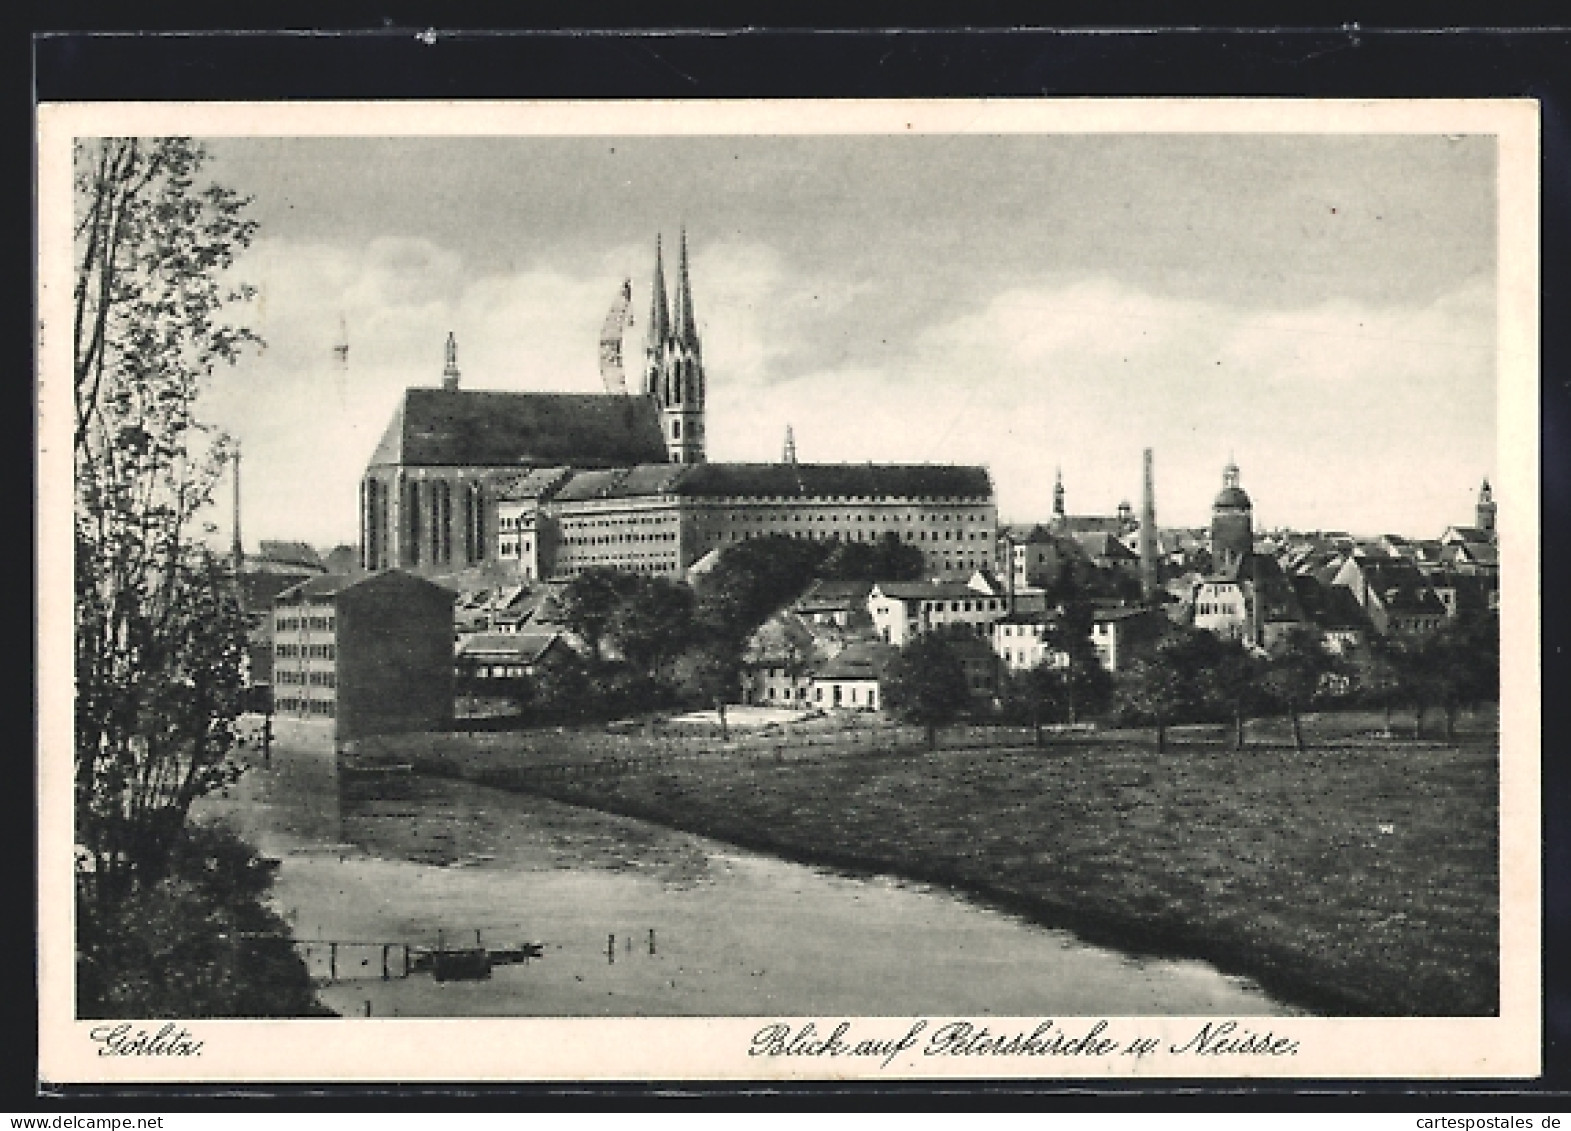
(1324, 406)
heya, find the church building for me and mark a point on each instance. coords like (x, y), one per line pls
(488, 488)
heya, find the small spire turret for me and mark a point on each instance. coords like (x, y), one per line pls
(1486, 508)
(450, 371)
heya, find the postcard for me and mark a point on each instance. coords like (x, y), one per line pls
(876, 590)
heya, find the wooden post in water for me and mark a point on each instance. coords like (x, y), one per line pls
(610, 950)
(386, 973)
(332, 962)
(651, 940)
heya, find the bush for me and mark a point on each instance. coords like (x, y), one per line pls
(199, 942)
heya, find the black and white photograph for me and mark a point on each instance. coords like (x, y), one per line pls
(742, 590)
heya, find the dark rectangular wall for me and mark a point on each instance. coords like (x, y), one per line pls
(395, 657)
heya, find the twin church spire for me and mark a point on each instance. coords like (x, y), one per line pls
(673, 362)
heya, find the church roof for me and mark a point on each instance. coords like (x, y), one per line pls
(469, 428)
(1232, 497)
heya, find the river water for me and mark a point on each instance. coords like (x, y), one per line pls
(639, 920)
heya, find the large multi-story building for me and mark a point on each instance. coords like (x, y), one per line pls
(364, 656)
(497, 487)
(663, 518)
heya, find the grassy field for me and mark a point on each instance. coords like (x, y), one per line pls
(1356, 878)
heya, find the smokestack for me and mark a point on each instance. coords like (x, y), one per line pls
(1148, 571)
(236, 548)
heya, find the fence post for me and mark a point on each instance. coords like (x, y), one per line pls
(610, 950)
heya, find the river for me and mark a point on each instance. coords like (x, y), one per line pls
(639, 920)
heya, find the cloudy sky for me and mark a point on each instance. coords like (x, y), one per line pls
(1320, 307)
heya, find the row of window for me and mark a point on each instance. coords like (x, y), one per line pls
(760, 516)
(1215, 608)
(493, 671)
(635, 520)
(286, 651)
(615, 539)
(320, 707)
(296, 622)
(313, 679)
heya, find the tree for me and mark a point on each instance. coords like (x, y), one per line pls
(563, 689)
(925, 683)
(1086, 686)
(1296, 668)
(199, 942)
(1385, 676)
(1153, 689)
(754, 578)
(716, 667)
(888, 559)
(1035, 695)
(159, 638)
(652, 623)
(1457, 667)
(1232, 677)
(588, 605)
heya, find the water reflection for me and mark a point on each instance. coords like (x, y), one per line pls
(452, 823)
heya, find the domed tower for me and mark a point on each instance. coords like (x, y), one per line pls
(674, 365)
(1486, 509)
(1232, 523)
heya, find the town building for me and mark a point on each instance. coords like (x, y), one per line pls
(1245, 596)
(1394, 594)
(357, 657)
(852, 679)
(522, 536)
(1023, 641)
(904, 610)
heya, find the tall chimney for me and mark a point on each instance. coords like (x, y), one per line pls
(236, 549)
(1148, 570)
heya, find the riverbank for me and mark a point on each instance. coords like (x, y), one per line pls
(638, 919)
(1350, 880)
